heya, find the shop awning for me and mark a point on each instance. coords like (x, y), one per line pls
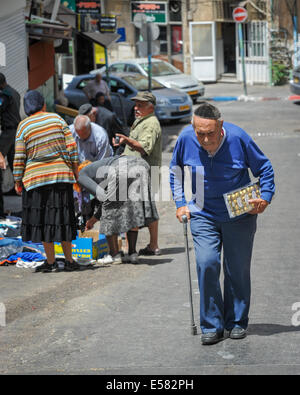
(44, 30)
(104, 39)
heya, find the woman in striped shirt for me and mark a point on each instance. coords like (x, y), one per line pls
(45, 167)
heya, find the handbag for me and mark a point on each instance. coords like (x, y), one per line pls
(8, 181)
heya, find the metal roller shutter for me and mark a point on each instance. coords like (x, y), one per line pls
(13, 35)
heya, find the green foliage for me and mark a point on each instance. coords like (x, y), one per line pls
(280, 73)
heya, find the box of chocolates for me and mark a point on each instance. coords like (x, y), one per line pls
(237, 201)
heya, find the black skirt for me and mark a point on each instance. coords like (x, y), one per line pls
(48, 214)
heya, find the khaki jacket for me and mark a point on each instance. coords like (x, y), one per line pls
(147, 132)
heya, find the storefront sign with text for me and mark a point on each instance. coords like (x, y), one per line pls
(155, 12)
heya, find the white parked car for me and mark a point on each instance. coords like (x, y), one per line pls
(162, 71)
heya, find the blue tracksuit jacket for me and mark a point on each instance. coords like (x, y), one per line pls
(212, 176)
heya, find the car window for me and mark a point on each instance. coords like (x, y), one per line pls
(131, 68)
(140, 82)
(160, 68)
(83, 83)
(115, 85)
(118, 67)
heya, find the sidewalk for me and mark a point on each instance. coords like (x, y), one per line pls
(223, 91)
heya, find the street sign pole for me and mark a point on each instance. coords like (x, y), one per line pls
(106, 66)
(149, 46)
(240, 15)
(149, 42)
(242, 51)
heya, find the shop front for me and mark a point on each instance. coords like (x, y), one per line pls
(13, 44)
(168, 17)
(215, 51)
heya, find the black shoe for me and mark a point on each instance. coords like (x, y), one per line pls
(211, 338)
(238, 333)
(59, 265)
(147, 251)
(45, 268)
(71, 266)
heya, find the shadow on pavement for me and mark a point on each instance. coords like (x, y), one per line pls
(172, 250)
(270, 329)
(153, 261)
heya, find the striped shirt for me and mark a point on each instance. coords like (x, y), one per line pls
(45, 151)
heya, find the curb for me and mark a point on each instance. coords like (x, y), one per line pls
(222, 98)
(248, 98)
(294, 97)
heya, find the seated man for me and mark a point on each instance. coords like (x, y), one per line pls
(96, 85)
(101, 101)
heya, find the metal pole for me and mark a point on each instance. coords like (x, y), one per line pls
(193, 325)
(295, 24)
(271, 14)
(102, 5)
(149, 44)
(296, 29)
(31, 9)
(55, 10)
(106, 67)
(242, 51)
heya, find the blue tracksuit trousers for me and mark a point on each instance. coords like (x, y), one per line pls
(223, 311)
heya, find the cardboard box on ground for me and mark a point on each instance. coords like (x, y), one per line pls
(90, 245)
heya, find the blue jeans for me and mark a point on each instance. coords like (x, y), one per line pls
(236, 238)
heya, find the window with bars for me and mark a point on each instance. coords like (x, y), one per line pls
(255, 39)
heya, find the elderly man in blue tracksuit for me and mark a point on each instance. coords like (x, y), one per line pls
(219, 156)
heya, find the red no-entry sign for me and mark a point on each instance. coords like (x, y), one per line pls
(240, 14)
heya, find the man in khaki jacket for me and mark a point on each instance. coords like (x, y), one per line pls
(145, 141)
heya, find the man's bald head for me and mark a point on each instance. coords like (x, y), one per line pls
(82, 125)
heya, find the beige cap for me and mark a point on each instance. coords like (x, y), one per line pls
(145, 96)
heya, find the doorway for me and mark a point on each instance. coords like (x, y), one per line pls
(229, 47)
(84, 55)
(203, 50)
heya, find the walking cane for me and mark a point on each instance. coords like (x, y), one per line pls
(193, 325)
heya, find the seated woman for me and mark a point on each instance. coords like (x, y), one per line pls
(122, 187)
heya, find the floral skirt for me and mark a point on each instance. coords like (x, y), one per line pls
(48, 214)
(130, 204)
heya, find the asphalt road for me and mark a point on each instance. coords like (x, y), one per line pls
(134, 319)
